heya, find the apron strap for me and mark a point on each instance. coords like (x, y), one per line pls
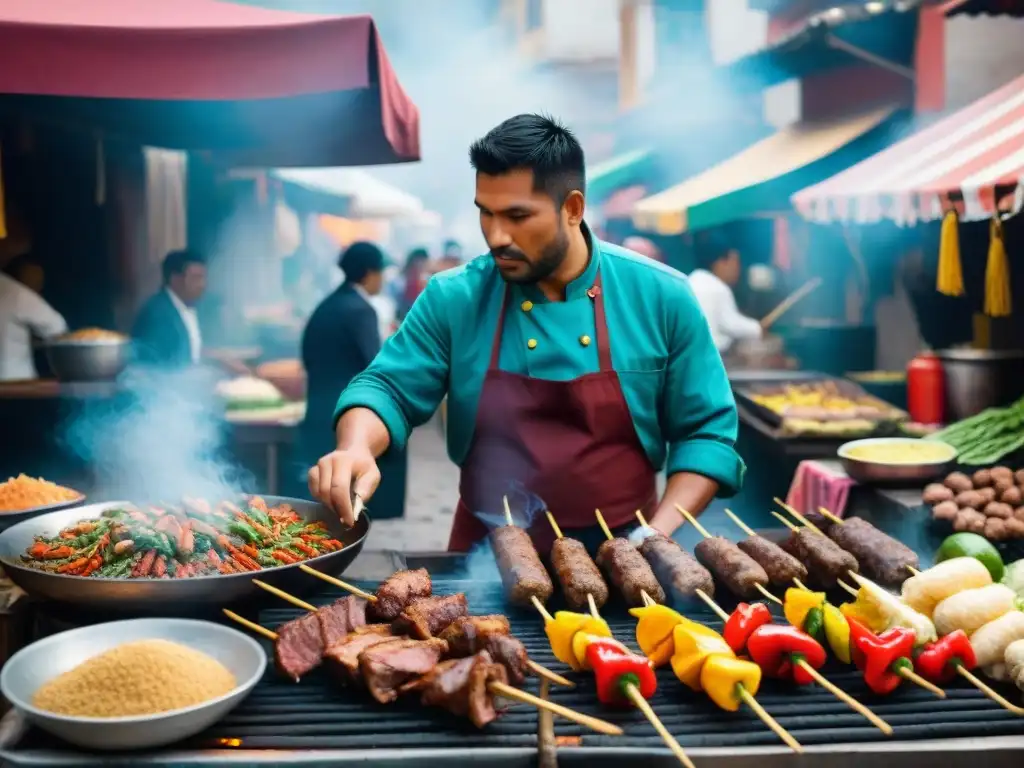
(496, 344)
(604, 349)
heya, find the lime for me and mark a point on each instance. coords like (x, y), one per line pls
(972, 545)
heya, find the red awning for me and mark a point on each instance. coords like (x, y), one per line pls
(973, 158)
(271, 87)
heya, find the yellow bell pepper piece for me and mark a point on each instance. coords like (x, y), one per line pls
(721, 674)
(693, 644)
(654, 627)
(564, 627)
(837, 632)
(580, 642)
(798, 603)
(865, 610)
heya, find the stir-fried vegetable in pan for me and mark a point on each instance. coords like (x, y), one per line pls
(193, 539)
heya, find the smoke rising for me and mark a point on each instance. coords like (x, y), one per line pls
(160, 440)
(526, 508)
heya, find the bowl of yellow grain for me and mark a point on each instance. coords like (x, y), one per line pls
(896, 460)
(134, 684)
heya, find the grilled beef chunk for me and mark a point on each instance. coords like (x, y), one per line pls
(676, 568)
(399, 591)
(388, 666)
(825, 560)
(344, 615)
(578, 574)
(522, 572)
(737, 570)
(628, 570)
(342, 658)
(780, 566)
(430, 616)
(461, 687)
(299, 646)
(469, 635)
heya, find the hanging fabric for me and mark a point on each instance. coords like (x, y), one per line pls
(997, 274)
(950, 280)
(3, 218)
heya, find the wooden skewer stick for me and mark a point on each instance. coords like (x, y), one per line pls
(787, 303)
(703, 532)
(768, 720)
(593, 606)
(554, 524)
(715, 607)
(603, 524)
(508, 512)
(802, 520)
(847, 587)
(785, 522)
(350, 588)
(830, 517)
(982, 686)
(913, 571)
(499, 689)
(541, 609)
(285, 596)
(739, 523)
(801, 585)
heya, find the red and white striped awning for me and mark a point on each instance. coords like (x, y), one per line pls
(974, 154)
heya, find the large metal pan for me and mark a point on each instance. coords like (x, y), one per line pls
(178, 597)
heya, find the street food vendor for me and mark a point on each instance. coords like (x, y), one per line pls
(572, 366)
(712, 283)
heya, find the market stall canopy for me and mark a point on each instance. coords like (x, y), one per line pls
(369, 197)
(263, 87)
(1013, 8)
(976, 154)
(755, 180)
(618, 172)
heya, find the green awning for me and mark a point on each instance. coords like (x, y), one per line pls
(627, 169)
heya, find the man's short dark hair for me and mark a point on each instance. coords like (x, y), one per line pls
(712, 250)
(176, 262)
(359, 260)
(533, 143)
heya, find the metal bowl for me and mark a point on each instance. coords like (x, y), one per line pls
(873, 472)
(44, 660)
(8, 519)
(95, 360)
(182, 597)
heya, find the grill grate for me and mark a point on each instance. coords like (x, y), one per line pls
(313, 715)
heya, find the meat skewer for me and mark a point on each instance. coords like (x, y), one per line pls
(577, 573)
(674, 567)
(522, 572)
(397, 592)
(881, 557)
(494, 687)
(626, 567)
(629, 688)
(410, 619)
(782, 568)
(740, 573)
(825, 560)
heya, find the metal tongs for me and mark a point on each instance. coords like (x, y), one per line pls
(357, 507)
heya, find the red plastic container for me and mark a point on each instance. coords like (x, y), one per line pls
(926, 390)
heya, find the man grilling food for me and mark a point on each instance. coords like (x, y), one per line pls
(572, 366)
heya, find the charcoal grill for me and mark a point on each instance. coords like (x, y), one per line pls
(314, 724)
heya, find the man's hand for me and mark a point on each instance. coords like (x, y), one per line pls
(342, 474)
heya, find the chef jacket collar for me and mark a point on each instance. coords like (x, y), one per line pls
(577, 289)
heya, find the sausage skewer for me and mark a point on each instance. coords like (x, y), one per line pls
(630, 689)
(579, 576)
(626, 567)
(522, 573)
(881, 557)
(674, 567)
(782, 568)
(495, 687)
(733, 567)
(747, 697)
(537, 669)
(825, 560)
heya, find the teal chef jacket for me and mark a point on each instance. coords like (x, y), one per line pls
(671, 373)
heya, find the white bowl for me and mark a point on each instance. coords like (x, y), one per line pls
(31, 667)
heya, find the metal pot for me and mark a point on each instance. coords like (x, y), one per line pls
(977, 379)
(92, 360)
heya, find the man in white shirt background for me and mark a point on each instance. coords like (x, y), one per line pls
(166, 331)
(719, 269)
(24, 316)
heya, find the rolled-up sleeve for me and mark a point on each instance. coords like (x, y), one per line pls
(699, 413)
(408, 378)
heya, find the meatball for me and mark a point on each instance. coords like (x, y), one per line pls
(982, 478)
(995, 529)
(1003, 484)
(1019, 477)
(936, 493)
(1014, 528)
(958, 481)
(971, 499)
(987, 494)
(998, 509)
(1013, 496)
(1001, 473)
(946, 510)
(969, 520)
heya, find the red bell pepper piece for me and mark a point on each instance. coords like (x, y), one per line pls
(881, 657)
(938, 661)
(614, 670)
(778, 650)
(742, 622)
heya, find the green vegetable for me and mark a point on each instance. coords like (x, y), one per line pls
(986, 437)
(972, 545)
(259, 516)
(244, 531)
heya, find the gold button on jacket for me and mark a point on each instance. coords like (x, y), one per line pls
(585, 340)
(532, 343)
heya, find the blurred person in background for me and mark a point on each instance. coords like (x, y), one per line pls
(414, 277)
(166, 330)
(340, 341)
(719, 270)
(24, 316)
(451, 256)
(644, 247)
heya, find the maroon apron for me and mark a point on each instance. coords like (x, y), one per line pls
(572, 443)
